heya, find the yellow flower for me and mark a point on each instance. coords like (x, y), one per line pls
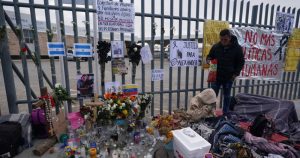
(125, 112)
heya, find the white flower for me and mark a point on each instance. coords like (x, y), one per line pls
(110, 101)
(134, 49)
(123, 104)
(57, 85)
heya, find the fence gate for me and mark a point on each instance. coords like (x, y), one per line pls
(33, 23)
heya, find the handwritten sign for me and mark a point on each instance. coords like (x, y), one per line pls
(284, 22)
(117, 49)
(113, 87)
(263, 52)
(293, 51)
(115, 16)
(146, 54)
(211, 33)
(184, 53)
(157, 75)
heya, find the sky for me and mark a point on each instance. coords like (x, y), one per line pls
(81, 17)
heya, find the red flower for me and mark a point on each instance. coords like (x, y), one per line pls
(24, 50)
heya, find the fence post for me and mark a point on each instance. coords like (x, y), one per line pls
(7, 65)
(253, 23)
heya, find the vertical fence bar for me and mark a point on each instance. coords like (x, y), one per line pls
(6, 63)
(88, 33)
(253, 23)
(196, 38)
(288, 73)
(233, 25)
(161, 54)
(36, 46)
(247, 81)
(298, 71)
(63, 39)
(271, 24)
(75, 30)
(284, 75)
(170, 68)
(152, 50)
(202, 68)
(293, 73)
(240, 24)
(213, 9)
(259, 22)
(220, 9)
(187, 68)
(143, 43)
(227, 10)
(277, 85)
(23, 55)
(179, 68)
(50, 36)
(122, 39)
(265, 23)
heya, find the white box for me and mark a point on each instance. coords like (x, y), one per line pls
(189, 144)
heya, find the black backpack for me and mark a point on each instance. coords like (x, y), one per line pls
(262, 126)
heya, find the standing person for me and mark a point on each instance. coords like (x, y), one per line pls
(230, 61)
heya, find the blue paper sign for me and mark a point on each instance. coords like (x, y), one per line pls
(56, 49)
(83, 50)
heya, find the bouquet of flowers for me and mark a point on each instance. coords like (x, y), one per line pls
(60, 94)
(116, 106)
(164, 125)
(143, 102)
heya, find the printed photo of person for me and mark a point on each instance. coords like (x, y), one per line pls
(85, 85)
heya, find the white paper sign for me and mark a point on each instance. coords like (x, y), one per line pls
(146, 54)
(117, 49)
(184, 53)
(113, 87)
(83, 50)
(263, 52)
(284, 22)
(157, 75)
(115, 16)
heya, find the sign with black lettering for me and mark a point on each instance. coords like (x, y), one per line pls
(157, 75)
(184, 53)
(115, 16)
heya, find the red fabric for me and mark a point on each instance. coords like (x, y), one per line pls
(50, 98)
(212, 75)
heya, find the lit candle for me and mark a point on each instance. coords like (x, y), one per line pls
(93, 153)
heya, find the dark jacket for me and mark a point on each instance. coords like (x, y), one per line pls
(230, 60)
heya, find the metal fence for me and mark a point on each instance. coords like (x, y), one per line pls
(180, 84)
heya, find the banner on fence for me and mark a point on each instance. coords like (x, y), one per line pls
(263, 52)
(184, 53)
(284, 22)
(83, 50)
(115, 16)
(85, 85)
(56, 49)
(157, 74)
(293, 51)
(211, 29)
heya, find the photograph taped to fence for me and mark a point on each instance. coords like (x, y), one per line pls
(85, 85)
(184, 53)
(117, 49)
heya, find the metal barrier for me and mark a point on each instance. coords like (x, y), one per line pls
(288, 88)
